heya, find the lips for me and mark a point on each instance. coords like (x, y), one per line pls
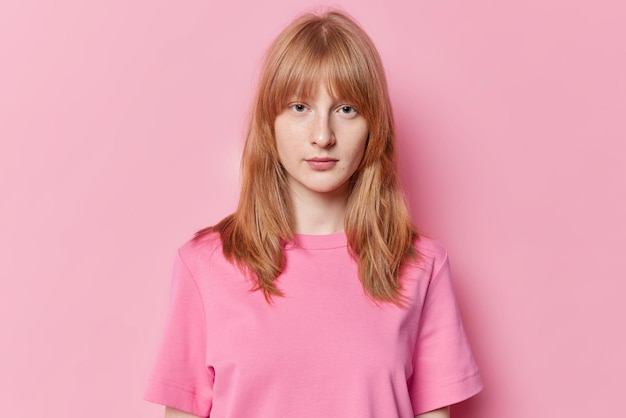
(321, 163)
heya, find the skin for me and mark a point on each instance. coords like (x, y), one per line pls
(334, 132)
(320, 141)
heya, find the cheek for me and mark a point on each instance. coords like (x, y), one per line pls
(280, 138)
(363, 141)
(287, 153)
(357, 152)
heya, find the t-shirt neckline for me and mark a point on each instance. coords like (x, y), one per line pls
(319, 242)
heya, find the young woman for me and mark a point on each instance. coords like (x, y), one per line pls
(316, 298)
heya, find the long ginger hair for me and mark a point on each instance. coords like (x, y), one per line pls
(380, 235)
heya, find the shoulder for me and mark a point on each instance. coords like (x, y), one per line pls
(201, 248)
(432, 255)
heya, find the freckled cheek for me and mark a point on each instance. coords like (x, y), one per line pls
(288, 150)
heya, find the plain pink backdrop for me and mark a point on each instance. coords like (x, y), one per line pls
(121, 125)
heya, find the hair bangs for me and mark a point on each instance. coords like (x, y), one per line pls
(329, 59)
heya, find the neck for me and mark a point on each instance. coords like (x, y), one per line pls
(319, 214)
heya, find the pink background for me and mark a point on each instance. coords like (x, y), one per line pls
(121, 126)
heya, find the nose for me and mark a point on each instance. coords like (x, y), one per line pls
(323, 135)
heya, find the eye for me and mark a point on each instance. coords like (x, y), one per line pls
(298, 107)
(347, 110)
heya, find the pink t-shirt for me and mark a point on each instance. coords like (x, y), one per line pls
(323, 350)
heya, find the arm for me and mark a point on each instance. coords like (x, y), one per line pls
(177, 413)
(439, 413)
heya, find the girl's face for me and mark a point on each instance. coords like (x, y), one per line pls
(320, 141)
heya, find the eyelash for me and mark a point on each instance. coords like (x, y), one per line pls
(299, 107)
(350, 108)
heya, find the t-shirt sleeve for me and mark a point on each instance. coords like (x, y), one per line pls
(181, 378)
(444, 370)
